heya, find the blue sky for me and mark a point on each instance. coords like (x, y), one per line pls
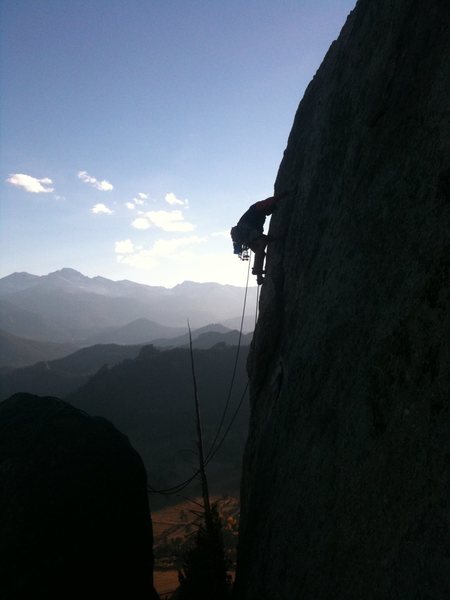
(136, 132)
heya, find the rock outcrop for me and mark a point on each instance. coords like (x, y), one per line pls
(346, 484)
(74, 515)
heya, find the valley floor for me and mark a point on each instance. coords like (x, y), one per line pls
(173, 527)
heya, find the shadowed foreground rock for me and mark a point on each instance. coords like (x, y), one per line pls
(346, 479)
(74, 515)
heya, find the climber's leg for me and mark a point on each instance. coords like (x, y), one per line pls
(258, 248)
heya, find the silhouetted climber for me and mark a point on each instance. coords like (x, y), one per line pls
(249, 233)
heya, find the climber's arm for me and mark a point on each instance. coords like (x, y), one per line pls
(267, 206)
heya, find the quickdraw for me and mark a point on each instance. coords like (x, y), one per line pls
(244, 254)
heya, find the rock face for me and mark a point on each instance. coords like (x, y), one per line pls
(74, 512)
(346, 485)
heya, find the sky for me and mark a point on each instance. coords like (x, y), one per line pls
(135, 133)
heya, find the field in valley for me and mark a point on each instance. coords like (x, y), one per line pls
(173, 529)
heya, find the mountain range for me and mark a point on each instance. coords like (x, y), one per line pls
(67, 306)
(65, 374)
(144, 390)
(147, 394)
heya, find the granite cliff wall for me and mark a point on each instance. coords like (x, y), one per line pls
(346, 482)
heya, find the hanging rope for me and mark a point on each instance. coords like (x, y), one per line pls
(215, 448)
(230, 390)
(233, 418)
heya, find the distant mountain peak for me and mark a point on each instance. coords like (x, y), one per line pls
(17, 281)
(20, 276)
(67, 272)
(187, 283)
(195, 285)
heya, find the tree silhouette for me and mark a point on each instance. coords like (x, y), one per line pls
(204, 573)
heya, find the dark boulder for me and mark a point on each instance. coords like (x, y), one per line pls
(74, 511)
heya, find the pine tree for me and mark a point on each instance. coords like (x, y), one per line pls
(204, 574)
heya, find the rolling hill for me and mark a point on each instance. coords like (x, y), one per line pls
(59, 377)
(19, 352)
(150, 399)
(139, 331)
(183, 339)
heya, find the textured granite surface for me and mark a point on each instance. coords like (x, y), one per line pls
(346, 484)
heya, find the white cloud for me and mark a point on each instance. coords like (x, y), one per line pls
(101, 209)
(130, 205)
(224, 234)
(124, 247)
(103, 186)
(143, 196)
(139, 201)
(172, 220)
(170, 198)
(140, 223)
(186, 258)
(31, 184)
(174, 249)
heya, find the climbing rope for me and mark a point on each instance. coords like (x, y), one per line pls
(215, 447)
(182, 485)
(233, 418)
(230, 390)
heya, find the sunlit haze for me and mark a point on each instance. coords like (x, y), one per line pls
(136, 132)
